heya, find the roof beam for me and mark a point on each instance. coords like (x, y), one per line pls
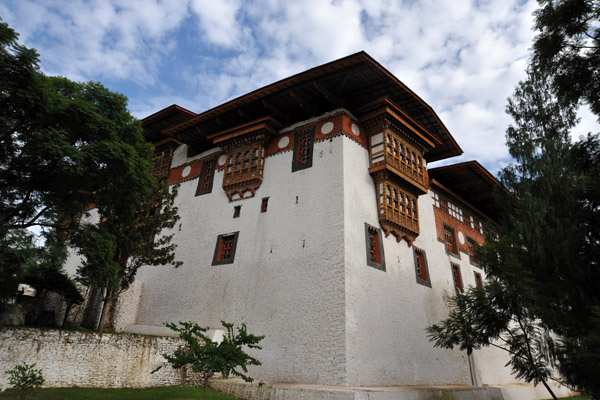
(303, 103)
(332, 98)
(276, 113)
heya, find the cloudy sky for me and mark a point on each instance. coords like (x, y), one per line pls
(463, 57)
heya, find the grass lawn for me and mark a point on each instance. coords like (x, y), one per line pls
(162, 393)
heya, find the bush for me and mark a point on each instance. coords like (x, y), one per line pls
(25, 378)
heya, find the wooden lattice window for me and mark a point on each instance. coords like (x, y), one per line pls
(236, 211)
(421, 269)
(450, 241)
(162, 161)
(472, 247)
(457, 278)
(205, 182)
(303, 149)
(244, 161)
(397, 204)
(225, 249)
(478, 280)
(404, 157)
(374, 244)
(264, 204)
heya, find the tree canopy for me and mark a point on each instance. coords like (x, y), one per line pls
(567, 48)
(65, 147)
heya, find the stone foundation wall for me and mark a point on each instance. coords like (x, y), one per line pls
(91, 360)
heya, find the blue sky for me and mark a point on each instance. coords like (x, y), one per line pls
(462, 57)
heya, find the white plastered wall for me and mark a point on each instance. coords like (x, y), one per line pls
(287, 280)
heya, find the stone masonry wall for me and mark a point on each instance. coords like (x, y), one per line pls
(91, 360)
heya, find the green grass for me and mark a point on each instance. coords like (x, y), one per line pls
(162, 393)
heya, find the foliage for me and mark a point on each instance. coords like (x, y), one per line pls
(567, 48)
(16, 253)
(25, 378)
(65, 146)
(542, 261)
(157, 393)
(207, 358)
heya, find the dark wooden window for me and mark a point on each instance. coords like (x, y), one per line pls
(457, 278)
(225, 249)
(421, 269)
(450, 240)
(472, 247)
(264, 205)
(205, 182)
(303, 149)
(374, 243)
(478, 280)
(236, 211)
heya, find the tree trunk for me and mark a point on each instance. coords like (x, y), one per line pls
(549, 390)
(109, 306)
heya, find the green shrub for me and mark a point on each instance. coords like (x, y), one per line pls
(25, 378)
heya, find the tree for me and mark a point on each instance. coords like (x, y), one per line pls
(542, 261)
(207, 358)
(25, 378)
(65, 146)
(567, 49)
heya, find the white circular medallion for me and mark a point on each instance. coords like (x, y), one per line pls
(284, 141)
(327, 127)
(461, 238)
(186, 171)
(222, 159)
(355, 130)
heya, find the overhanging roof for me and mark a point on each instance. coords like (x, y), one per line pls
(166, 118)
(350, 83)
(471, 181)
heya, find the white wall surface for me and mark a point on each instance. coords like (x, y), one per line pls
(287, 280)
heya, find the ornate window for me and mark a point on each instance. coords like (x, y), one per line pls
(457, 278)
(398, 211)
(421, 269)
(205, 181)
(472, 247)
(375, 256)
(161, 160)
(478, 280)
(243, 172)
(225, 249)
(404, 157)
(303, 149)
(450, 241)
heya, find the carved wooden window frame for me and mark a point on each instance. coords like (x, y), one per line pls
(206, 178)
(304, 143)
(472, 249)
(450, 241)
(404, 156)
(457, 278)
(225, 249)
(374, 247)
(421, 267)
(244, 162)
(478, 280)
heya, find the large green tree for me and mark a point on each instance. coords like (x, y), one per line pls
(567, 48)
(65, 146)
(542, 261)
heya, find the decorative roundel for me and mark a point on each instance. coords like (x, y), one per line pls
(355, 130)
(327, 127)
(186, 171)
(461, 237)
(284, 141)
(222, 159)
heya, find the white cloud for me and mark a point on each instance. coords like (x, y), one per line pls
(464, 58)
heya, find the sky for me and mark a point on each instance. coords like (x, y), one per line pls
(463, 57)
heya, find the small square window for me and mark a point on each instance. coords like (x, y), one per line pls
(236, 211)
(225, 249)
(478, 280)
(421, 269)
(457, 278)
(450, 240)
(374, 242)
(264, 205)
(472, 246)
